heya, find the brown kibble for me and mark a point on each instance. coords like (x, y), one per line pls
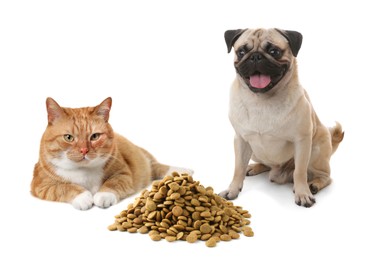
(205, 237)
(196, 215)
(174, 186)
(132, 230)
(248, 233)
(112, 227)
(175, 196)
(136, 202)
(143, 230)
(156, 237)
(175, 174)
(152, 214)
(179, 235)
(197, 224)
(179, 208)
(205, 228)
(127, 225)
(228, 212)
(211, 242)
(225, 237)
(158, 196)
(191, 238)
(201, 189)
(223, 229)
(150, 205)
(170, 238)
(233, 234)
(195, 202)
(163, 191)
(205, 214)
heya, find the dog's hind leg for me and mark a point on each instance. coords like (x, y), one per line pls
(284, 173)
(318, 180)
(257, 168)
(319, 166)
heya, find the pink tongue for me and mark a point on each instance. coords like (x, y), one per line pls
(260, 81)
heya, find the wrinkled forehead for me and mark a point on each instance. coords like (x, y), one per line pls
(259, 37)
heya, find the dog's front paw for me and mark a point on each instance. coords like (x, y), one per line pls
(305, 199)
(229, 194)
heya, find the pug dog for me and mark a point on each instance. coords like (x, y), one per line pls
(273, 118)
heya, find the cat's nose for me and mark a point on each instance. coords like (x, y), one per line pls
(84, 150)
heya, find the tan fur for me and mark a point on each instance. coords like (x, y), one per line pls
(279, 129)
(124, 167)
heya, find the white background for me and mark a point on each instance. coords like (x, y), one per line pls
(166, 66)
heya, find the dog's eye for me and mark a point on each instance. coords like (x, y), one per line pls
(275, 52)
(241, 52)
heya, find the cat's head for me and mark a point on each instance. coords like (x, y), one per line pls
(78, 137)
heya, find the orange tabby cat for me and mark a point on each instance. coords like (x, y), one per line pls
(84, 162)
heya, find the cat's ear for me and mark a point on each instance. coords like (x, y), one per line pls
(54, 111)
(104, 108)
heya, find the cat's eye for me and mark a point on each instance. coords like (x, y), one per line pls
(68, 138)
(95, 136)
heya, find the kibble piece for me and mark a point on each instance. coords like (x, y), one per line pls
(179, 235)
(191, 238)
(195, 202)
(112, 227)
(211, 242)
(158, 196)
(205, 214)
(127, 225)
(201, 189)
(155, 237)
(143, 230)
(175, 196)
(205, 236)
(223, 229)
(174, 186)
(248, 232)
(177, 211)
(205, 228)
(233, 234)
(196, 215)
(132, 230)
(150, 205)
(225, 237)
(170, 238)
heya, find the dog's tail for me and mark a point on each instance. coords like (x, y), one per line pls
(337, 135)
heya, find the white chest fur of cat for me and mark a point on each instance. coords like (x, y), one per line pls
(89, 176)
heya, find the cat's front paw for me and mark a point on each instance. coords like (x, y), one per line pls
(105, 199)
(83, 201)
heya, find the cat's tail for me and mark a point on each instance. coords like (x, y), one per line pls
(160, 170)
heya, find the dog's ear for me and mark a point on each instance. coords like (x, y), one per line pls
(294, 38)
(231, 36)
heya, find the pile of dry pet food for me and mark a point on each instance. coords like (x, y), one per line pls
(179, 208)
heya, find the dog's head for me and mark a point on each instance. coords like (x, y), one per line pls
(263, 57)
